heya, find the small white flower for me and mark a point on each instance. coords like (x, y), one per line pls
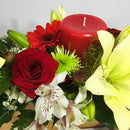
(51, 100)
(9, 106)
(22, 97)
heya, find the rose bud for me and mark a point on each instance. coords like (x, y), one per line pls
(9, 57)
(114, 31)
(18, 38)
(79, 77)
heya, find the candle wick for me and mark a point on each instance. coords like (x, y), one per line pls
(84, 22)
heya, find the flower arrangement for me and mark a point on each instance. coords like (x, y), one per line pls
(65, 88)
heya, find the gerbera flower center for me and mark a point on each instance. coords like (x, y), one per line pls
(48, 37)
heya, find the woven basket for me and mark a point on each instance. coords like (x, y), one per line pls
(8, 125)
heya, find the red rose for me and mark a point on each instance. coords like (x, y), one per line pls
(32, 68)
(114, 31)
(42, 38)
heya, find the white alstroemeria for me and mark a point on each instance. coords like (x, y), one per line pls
(112, 78)
(81, 95)
(74, 115)
(35, 126)
(2, 61)
(61, 125)
(51, 100)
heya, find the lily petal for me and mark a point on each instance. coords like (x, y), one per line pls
(124, 97)
(2, 61)
(122, 83)
(119, 61)
(107, 41)
(121, 113)
(98, 85)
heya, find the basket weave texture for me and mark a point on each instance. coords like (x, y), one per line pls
(8, 125)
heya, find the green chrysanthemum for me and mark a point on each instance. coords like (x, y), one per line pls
(67, 61)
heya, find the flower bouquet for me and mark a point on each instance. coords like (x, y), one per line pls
(66, 86)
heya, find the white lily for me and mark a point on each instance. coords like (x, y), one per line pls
(112, 78)
(2, 61)
(51, 100)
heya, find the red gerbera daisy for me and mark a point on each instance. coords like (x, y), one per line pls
(42, 38)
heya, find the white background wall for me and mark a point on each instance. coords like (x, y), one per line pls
(23, 15)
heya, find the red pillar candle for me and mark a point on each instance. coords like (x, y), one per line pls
(77, 31)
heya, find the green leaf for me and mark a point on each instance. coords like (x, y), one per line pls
(25, 119)
(103, 114)
(3, 47)
(5, 79)
(5, 115)
(89, 111)
(46, 123)
(55, 119)
(20, 107)
(92, 57)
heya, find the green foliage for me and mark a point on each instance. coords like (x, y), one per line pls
(89, 111)
(46, 123)
(90, 61)
(21, 106)
(5, 79)
(25, 119)
(103, 114)
(55, 119)
(5, 45)
(92, 57)
(51, 49)
(70, 89)
(5, 115)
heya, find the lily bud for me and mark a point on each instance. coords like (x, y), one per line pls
(89, 111)
(123, 34)
(18, 38)
(2, 61)
(59, 16)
